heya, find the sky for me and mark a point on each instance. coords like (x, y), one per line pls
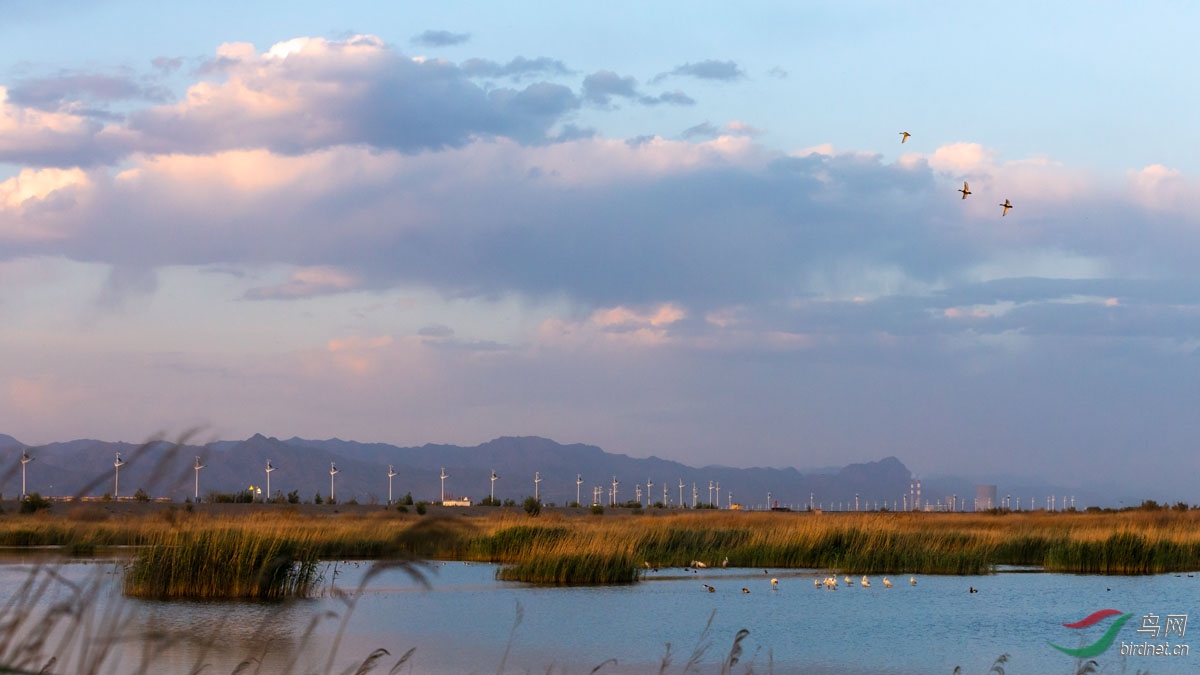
(687, 230)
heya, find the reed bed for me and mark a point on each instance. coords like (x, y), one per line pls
(206, 563)
(555, 548)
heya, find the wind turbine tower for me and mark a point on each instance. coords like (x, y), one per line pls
(578, 482)
(117, 477)
(269, 470)
(444, 477)
(391, 474)
(333, 471)
(25, 459)
(492, 498)
(197, 467)
(537, 478)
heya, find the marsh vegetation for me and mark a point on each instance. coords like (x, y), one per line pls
(561, 549)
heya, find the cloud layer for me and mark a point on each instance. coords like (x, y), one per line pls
(322, 171)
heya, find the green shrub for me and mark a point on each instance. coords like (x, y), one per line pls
(34, 502)
(532, 506)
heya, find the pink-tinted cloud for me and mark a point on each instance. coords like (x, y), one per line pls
(307, 282)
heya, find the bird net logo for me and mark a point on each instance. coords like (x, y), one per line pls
(1152, 639)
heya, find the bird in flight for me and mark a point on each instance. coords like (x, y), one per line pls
(1007, 205)
(904, 136)
(966, 190)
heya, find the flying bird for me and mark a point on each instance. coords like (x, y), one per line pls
(904, 136)
(966, 190)
(1007, 205)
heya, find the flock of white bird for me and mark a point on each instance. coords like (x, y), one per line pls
(966, 189)
(831, 583)
(828, 583)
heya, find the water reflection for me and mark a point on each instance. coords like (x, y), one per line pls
(465, 621)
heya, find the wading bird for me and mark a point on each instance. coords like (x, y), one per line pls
(966, 190)
(904, 136)
(1007, 205)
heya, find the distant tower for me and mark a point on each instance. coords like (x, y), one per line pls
(271, 468)
(197, 467)
(25, 459)
(985, 497)
(117, 477)
(918, 502)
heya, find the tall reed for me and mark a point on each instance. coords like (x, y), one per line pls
(223, 563)
(1139, 542)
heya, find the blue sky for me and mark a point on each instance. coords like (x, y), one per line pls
(680, 229)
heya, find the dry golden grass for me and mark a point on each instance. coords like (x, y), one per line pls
(1130, 542)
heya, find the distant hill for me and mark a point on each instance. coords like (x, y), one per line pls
(86, 467)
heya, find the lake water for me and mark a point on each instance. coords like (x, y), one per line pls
(467, 622)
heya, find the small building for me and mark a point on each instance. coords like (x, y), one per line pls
(459, 501)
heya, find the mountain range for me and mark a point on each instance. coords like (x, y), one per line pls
(167, 469)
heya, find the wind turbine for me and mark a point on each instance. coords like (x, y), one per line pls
(493, 497)
(710, 485)
(695, 495)
(25, 459)
(614, 495)
(537, 478)
(718, 494)
(333, 471)
(578, 482)
(117, 477)
(666, 501)
(269, 470)
(681, 493)
(197, 467)
(444, 477)
(391, 474)
(768, 500)
(648, 497)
